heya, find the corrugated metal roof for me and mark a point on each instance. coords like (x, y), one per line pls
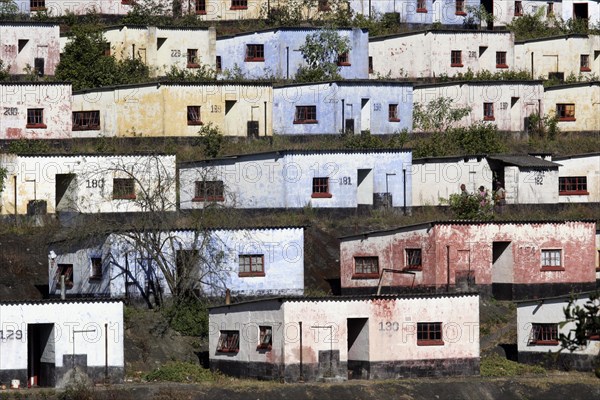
(525, 161)
(72, 300)
(419, 85)
(348, 82)
(557, 37)
(159, 83)
(564, 297)
(287, 28)
(582, 155)
(571, 85)
(436, 31)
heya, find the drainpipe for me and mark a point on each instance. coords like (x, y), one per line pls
(404, 189)
(227, 297)
(287, 62)
(15, 186)
(265, 118)
(106, 353)
(343, 116)
(447, 268)
(532, 65)
(63, 290)
(301, 365)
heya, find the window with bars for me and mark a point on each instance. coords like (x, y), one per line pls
(193, 115)
(456, 58)
(86, 120)
(192, 58)
(255, 52)
(551, 260)
(251, 265)
(460, 7)
(572, 185)
(518, 8)
(35, 118)
(501, 59)
(200, 7)
(265, 337)
(413, 259)
(37, 5)
(229, 342)
(96, 268)
(239, 5)
(488, 111)
(209, 191)
(320, 188)
(421, 6)
(123, 189)
(544, 334)
(366, 267)
(429, 334)
(393, 113)
(565, 112)
(344, 59)
(305, 115)
(584, 63)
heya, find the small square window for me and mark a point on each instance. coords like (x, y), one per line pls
(35, 118)
(518, 9)
(192, 58)
(584, 63)
(96, 268)
(488, 112)
(552, 260)
(366, 267)
(393, 113)
(255, 52)
(413, 259)
(421, 6)
(305, 115)
(37, 5)
(456, 58)
(544, 334)
(209, 191)
(239, 5)
(252, 265)
(193, 115)
(67, 271)
(460, 7)
(344, 59)
(86, 120)
(429, 334)
(320, 188)
(501, 59)
(229, 342)
(572, 185)
(565, 112)
(265, 338)
(123, 189)
(200, 7)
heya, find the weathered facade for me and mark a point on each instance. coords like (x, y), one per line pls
(507, 259)
(248, 262)
(378, 107)
(87, 184)
(539, 325)
(275, 53)
(30, 45)
(506, 104)
(44, 342)
(296, 179)
(379, 337)
(176, 109)
(57, 8)
(449, 52)
(579, 178)
(577, 106)
(32, 110)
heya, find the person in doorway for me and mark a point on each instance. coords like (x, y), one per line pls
(463, 190)
(483, 195)
(499, 197)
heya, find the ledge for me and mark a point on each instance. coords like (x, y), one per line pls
(567, 119)
(255, 59)
(321, 195)
(421, 10)
(251, 274)
(545, 343)
(585, 69)
(209, 198)
(195, 123)
(574, 193)
(462, 13)
(306, 121)
(238, 7)
(125, 197)
(394, 119)
(192, 65)
(552, 269)
(501, 65)
(430, 342)
(365, 276)
(36, 126)
(456, 65)
(489, 118)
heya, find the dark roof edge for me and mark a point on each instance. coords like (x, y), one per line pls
(68, 300)
(560, 297)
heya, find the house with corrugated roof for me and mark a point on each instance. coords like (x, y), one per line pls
(445, 12)
(575, 106)
(33, 45)
(56, 8)
(579, 178)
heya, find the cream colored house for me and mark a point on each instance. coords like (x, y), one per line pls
(579, 178)
(449, 52)
(506, 104)
(174, 109)
(560, 56)
(576, 105)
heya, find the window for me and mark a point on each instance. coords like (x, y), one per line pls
(106, 51)
(488, 111)
(343, 59)
(366, 267)
(370, 64)
(67, 271)
(413, 259)
(252, 265)
(460, 7)
(37, 5)
(209, 191)
(86, 120)
(35, 118)
(320, 188)
(584, 63)
(544, 334)
(192, 58)
(124, 188)
(255, 52)
(393, 113)
(96, 268)
(565, 112)
(456, 58)
(421, 6)
(550, 9)
(518, 9)
(38, 66)
(201, 7)
(501, 59)
(551, 260)
(218, 65)
(239, 5)
(265, 338)
(429, 334)
(229, 342)
(193, 115)
(306, 115)
(572, 185)
(323, 5)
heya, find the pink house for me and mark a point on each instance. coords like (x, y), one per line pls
(508, 259)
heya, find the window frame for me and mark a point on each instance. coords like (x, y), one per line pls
(218, 64)
(265, 331)
(566, 185)
(518, 8)
(35, 118)
(192, 58)
(96, 268)
(548, 259)
(69, 275)
(251, 273)
(459, 7)
(584, 63)
(87, 116)
(37, 5)
(318, 183)
(209, 191)
(370, 64)
(197, 110)
(488, 112)
(549, 8)
(229, 341)
(200, 7)
(303, 114)
(501, 59)
(364, 274)
(254, 52)
(562, 112)
(407, 257)
(239, 5)
(545, 330)
(433, 332)
(421, 6)
(393, 112)
(343, 59)
(124, 183)
(456, 55)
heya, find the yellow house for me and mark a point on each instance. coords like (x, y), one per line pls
(174, 109)
(576, 105)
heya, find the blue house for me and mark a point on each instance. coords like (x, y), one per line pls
(276, 53)
(353, 106)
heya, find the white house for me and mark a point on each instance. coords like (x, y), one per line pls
(296, 179)
(445, 12)
(539, 326)
(87, 183)
(45, 341)
(247, 261)
(579, 178)
(370, 337)
(575, 105)
(30, 44)
(56, 8)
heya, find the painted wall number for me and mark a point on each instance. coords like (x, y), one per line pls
(346, 180)
(175, 53)
(215, 109)
(377, 107)
(389, 326)
(504, 106)
(472, 54)
(11, 334)
(11, 111)
(95, 183)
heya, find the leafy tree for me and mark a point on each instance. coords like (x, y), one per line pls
(8, 9)
(151, 12)
(438, 115)
(545, 127)
(471, 206)
(320, 52)
(4, 71)
(211, 139)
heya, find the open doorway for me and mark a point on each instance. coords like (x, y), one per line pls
(40, 355)
(580, 11)
(364, 187)
(66, 192)
(365, 115)
(502, 270)
(358, 348)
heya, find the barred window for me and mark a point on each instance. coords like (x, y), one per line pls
(124, 188)
(35, 118)
(255, 52)
(229, 342)
(429, 334)
(551, 259)
(209, 191)
(305, 115)
(572, 185)
(320, 187)
(565, 112)
(413, 259)
(193, 115)
(544, 334)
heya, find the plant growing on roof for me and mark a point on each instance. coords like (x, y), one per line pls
(438, 115)
(321, 52)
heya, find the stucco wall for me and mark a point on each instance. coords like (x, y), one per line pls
(593, 10)
(63, 7)
(579, 166)
(42, 42)
(585, 97)
(530, 186)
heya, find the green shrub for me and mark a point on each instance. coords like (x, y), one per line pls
(188, 316)
(495, 365)
(177, 371)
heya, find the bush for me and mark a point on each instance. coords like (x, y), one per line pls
(188, 316)
(177, 371)
(495, 365)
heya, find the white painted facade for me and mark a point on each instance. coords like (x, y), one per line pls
(93, 331)
(580, 166)
(286, 179)
(128, 269)
(30, 44)
(86, 183)
(401, 55)
(32, 110)
(511, 102)
(583, 97)
(306, 330)
(573, 9)
(56, 8)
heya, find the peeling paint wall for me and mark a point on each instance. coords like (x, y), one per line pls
(222, 10)
(24, 42)
(593, 10)
(530, 185)
(64, 7)
(585, 98)
(585, 165)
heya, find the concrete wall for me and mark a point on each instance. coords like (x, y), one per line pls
(530, 185)
(102, 319)
(64, 7)
(221, 10)
(593, 10)
(42, 42)
(585, 97)
(336, 102)
(582, 165)
(53, 98)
